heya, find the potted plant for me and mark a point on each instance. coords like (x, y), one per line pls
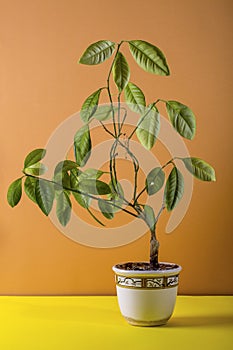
(146, 290)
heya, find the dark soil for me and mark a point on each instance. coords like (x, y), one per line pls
(143, 266)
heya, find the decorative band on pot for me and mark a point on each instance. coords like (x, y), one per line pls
(161, 282)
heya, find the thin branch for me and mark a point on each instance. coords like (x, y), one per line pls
(81, 192)
(153, 104)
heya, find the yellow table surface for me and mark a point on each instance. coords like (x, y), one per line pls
(95, 322)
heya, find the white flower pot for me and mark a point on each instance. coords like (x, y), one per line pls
(147, 298)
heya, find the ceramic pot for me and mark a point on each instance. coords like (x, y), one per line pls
(147, 298)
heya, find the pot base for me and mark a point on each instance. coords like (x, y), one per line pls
(145, 323)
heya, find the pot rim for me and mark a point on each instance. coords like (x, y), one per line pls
(123, 272)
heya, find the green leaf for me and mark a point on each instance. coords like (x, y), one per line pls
(148, 127)
(34, 157)
(44, 192)
(82, 200)
(98, 52)
(74, 174)
(121, 72)
(106, 209)
(116, 195)
(65, 165)
(14, 192)
(134, 98)
(174, 189)
(36, 169)
(62, 180)
(82, 145)
(90, 174)
(155, 180)
(149, 57)
(90, 106)
(182, 119)
(63, 208)
(94, 187)
(30, 187)
(149, 216)
(200, 169)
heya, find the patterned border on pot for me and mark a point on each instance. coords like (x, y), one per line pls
(147, 283)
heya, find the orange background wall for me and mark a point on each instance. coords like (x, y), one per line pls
(41, 85)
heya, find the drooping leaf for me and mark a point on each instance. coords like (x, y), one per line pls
(182, 119)
(62, 180)
(14, 192)
(106, 209)
(92, 186)
(98, 52)
(90, 106)
(121, 71)
(82, 200)
(63, 208)
(82, 145)
(44, 192)
(149, 57)
(30, 188)
(148, 127)
(200, 169)
(155, 180)
(149, 216)
(174, 189)
(134, 98)
(36, 169)
(34, 157)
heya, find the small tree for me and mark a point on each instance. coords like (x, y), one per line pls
(85, 185)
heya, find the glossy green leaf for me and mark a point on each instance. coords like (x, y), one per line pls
(134, 98)
(98, 52)
(149, 216)
(34, 157)
(182, 119)
(63, 208)
(82, 200)
(106, 209)
(94, 187)
(155, 180)
(174, 189)
(36, 169)
(14, 192)
(200, 169)
(82, 145)
(148, 127)
(90, 106)
(149, 57)
(74, 174)
(30, 187)
(121, 71)
(45, 193)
